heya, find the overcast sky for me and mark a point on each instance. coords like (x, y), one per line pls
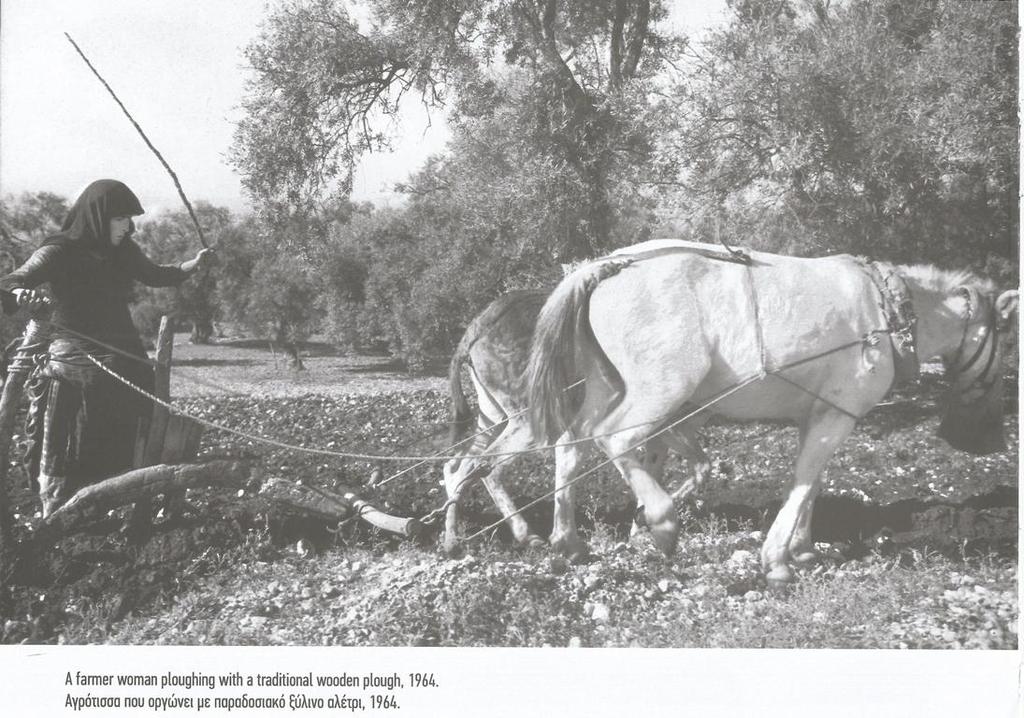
(177, 66)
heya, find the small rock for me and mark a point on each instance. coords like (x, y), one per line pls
(329, 590)
(304, 548)
(600, 613)
(621, 547)
(755, 536)
(592, 582)
(663, 585)
(306, 592)
(273, 588)
(357, 566)
(753, 596)
(741, 556)
(575, 642)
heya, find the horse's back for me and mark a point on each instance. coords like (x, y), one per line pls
(684, 313)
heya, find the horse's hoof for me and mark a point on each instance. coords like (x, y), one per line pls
(806, 557)
(779, 578)
(535, 541)
(665, 534)
(575, 550)
(452, 548)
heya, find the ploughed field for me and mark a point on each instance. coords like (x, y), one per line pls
(918, 541)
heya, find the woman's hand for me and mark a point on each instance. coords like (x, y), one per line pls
(31, 298)
(203, 259)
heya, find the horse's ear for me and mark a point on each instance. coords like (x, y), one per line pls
(1006, 305)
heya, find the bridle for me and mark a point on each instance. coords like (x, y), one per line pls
(990, 340)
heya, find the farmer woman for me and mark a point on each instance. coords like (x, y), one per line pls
(88, 418)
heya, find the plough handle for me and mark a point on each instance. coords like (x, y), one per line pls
(410, 528)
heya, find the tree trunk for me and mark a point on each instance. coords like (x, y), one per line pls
(294, 356)
(202, 330)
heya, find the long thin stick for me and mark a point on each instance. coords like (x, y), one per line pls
(174, 177)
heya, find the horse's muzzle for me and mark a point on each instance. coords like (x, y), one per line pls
(976, 428)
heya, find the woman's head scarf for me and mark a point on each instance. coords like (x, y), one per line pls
(87, 224)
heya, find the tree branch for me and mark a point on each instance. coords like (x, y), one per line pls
(615, 51)
(638, 36)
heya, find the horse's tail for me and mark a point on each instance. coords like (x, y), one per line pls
(462, 414)
(563, 326)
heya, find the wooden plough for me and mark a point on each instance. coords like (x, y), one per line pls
(166, 464)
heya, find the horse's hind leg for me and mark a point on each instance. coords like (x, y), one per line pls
(801, 546)
(820, 436)
(564, 538)
(620, 445)
(654, 454)
(684, 440)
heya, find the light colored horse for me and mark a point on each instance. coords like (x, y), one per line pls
(495, 348)
(673, 325)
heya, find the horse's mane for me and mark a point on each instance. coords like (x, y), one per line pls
(945, 280)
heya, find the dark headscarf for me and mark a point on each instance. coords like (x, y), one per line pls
(87, 224)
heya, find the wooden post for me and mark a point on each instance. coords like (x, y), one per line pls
(149, 453)
(161, 390)
(14, 387)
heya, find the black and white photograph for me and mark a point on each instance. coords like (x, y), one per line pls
(637, 327)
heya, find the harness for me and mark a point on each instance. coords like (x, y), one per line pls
(992, 329)
(898, 310)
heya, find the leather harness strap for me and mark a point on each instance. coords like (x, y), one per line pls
(898, 310)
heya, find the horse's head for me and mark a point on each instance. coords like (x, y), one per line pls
(973, 419)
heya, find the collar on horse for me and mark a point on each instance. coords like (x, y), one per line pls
(901, 321)
(993, 327)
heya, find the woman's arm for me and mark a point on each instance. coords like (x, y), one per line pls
(148, 272)
(40, 267)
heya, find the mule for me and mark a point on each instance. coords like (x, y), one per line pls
(495, 349)
(674, 325)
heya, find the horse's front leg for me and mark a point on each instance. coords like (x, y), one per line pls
(456, 477)
(820, 436)
(516, 437)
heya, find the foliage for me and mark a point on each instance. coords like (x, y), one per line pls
(886, 128)
(573, 105)
(25, 221)
(268, 289)
(170, 238)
